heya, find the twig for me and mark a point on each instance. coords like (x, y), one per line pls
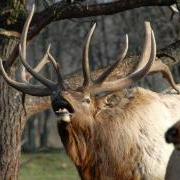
(10, 34)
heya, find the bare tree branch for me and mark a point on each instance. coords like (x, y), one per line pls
(61, 10)
(10, 34)
(36, 105)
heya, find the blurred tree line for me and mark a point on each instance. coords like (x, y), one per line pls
(67, 39)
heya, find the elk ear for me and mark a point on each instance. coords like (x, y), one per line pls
(101, 102)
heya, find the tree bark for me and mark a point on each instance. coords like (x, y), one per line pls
(12, 117)
(11, 122)
(12, 113)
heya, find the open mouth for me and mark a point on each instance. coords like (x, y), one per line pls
(63, 109)
(63, 115)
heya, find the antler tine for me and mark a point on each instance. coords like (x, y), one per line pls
(34, 90)
(57, 69)
(108, 71)
(43, 61)
(26, 77)
(148, 53)
(159, 66)
(143, 60)
(143, 71)
(22, 49)
(85, 62)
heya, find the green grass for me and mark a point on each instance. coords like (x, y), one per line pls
(47, 166)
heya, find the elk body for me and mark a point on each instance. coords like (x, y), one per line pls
(109, 132)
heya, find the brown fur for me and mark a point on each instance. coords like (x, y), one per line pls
(119, 136)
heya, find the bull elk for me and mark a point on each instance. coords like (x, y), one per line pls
(109, 133)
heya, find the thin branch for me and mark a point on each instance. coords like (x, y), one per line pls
(10, 34)
(36, 105)
(60, 10)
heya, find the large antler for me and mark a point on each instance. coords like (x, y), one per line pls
(147, 58)
(34, 90)
(85, 61)
(159, 66)
(94, 87)
(22, 48)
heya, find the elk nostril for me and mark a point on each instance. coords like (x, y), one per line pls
(171, 135)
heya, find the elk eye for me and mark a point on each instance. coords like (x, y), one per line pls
(87, 100)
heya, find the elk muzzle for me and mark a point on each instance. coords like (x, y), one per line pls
(62, 108)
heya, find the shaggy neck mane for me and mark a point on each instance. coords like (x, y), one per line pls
(116, 122)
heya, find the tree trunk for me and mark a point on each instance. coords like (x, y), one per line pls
(11, 122)
(12, 115)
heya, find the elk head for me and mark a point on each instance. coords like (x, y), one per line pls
(68, 103)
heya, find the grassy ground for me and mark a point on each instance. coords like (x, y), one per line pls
(47, 166)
